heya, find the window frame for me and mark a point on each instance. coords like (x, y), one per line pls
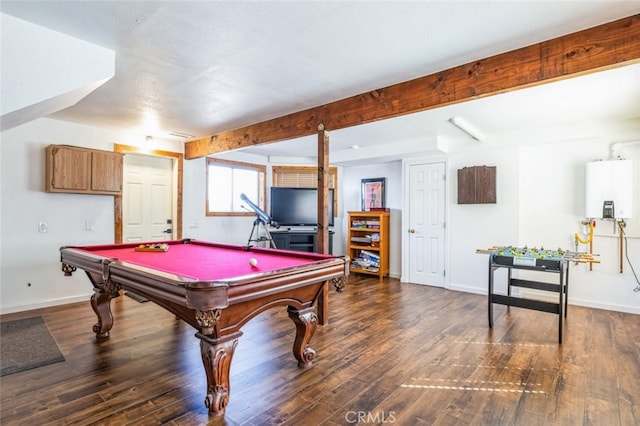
(262, 185)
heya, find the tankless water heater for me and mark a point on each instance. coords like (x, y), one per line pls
(609, 189)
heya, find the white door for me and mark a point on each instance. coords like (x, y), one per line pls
(147, 198)
(427, 224)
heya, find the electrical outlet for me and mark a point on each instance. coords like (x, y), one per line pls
(43, 227)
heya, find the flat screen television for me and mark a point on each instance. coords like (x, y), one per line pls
(297, 206)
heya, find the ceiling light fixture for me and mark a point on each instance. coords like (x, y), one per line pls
(181, 135)
(467, 128)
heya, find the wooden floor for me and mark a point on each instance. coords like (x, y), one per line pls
(392, 354)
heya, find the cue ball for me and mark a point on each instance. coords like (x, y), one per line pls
(253, 261)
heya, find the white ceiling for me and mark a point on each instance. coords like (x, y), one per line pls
(203, 67)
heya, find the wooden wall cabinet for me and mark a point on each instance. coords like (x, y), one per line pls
(78, 170)
(368, 242)
(477, 185)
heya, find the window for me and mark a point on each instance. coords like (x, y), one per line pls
(304, 177)
(226, 180)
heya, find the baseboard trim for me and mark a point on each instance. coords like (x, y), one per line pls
(572, 301)
(45, 304)
(467, 289)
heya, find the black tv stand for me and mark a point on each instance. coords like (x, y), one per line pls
(299, 240)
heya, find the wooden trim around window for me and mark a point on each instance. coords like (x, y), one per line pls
(237, 164)
(333, 179)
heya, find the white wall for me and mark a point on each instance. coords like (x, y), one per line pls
(351, 185)
(31, 257)
(473, 226)
(233, 230)
(540, 192)
(540, 202)
(553, 216)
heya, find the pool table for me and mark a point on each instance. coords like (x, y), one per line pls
(214, 288)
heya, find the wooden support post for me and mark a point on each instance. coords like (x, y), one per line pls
(323, 216)
(323, 190)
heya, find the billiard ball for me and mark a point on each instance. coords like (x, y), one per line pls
(253, 262)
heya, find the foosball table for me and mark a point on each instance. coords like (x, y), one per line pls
(534, 259)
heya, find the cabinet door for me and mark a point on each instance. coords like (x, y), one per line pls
(486, 185)
(106, 171)
(467, 185)
(281, 240)
(68, 169)
(477, 185)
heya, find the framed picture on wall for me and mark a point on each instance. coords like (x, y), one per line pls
(372, 193)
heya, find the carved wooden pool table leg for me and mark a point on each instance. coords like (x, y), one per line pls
(103, 292)
(217, 354)
(101, 304)
(306, 321)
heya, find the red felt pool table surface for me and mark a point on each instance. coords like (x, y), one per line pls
(205, 261)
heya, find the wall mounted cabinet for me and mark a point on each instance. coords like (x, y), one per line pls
(477, 185)
(71, 169)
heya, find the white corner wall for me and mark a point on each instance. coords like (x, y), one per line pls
(30, 275)
(236, 230)
(474, 226)
(540, 202)
(555, 176)
(351, 185)
(232, 230)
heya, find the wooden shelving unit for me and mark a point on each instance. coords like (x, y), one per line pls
(368, 239)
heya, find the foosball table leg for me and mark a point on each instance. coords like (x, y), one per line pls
(490, 294)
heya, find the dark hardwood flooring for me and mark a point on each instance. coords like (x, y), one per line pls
(392, 354)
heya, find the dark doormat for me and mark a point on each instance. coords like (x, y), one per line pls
(26, 344)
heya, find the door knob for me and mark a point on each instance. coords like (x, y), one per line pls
(412, 231)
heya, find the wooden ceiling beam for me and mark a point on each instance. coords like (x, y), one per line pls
(599, 48)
